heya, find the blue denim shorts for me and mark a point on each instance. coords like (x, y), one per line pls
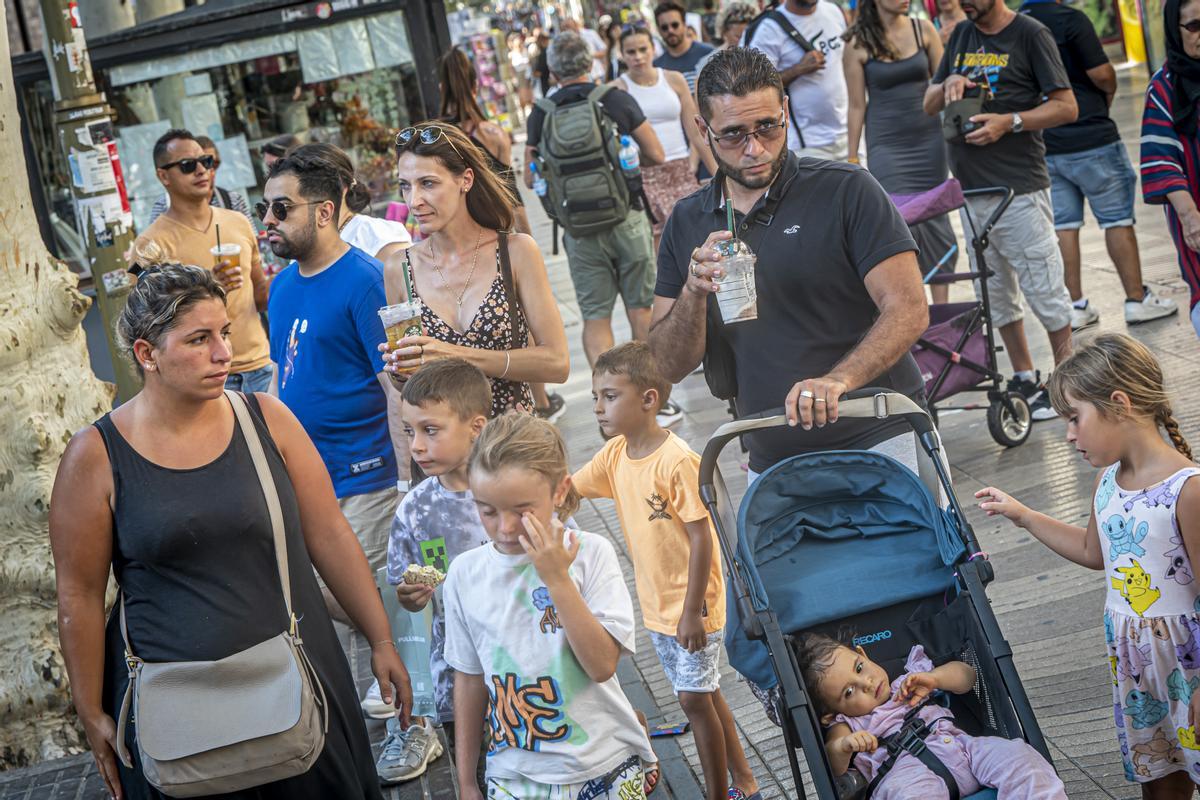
(1104, 176)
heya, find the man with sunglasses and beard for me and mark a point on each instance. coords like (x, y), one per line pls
(188, 230)
(221, 198)
(682, 53)
(325, 337)
(840, 298)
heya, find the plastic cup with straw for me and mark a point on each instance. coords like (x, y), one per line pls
(738, 295)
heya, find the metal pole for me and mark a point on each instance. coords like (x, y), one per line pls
(83, 122)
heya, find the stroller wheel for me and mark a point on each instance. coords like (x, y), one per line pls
(1010, 427)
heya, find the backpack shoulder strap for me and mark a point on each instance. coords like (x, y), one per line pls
(787, 27)
(546, 104)
(597, 94)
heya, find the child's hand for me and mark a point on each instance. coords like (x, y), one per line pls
(545, 548)
(690, 632)
(859, 742)
(414, 596)
(994, 502)
(918, 686)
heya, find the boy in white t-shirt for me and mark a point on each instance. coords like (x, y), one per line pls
(536, 621)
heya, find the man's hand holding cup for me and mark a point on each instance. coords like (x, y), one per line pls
(229, 276)
(704, 267)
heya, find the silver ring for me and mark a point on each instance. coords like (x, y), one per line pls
(422, 359)
(695, 268)
(806, 393)
(819, 400)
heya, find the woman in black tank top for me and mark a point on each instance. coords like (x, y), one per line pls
(163, 490)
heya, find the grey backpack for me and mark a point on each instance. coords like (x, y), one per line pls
(578, 156)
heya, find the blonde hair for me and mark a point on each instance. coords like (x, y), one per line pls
(516, 439)
(1114, 362)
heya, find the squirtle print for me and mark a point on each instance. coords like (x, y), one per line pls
(1181, 689)
(1143, 710)
(1108, 485)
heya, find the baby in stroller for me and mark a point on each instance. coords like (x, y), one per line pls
(860, 706)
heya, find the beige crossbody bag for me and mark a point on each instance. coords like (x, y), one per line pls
(210, 727)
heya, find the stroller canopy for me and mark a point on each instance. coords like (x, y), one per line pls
(822, 536)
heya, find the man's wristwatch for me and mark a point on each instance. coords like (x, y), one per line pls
(1018, 124)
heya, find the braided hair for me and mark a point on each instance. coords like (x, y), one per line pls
(1114, 362)
(868, 30)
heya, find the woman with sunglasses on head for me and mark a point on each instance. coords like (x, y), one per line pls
(887, 61)
(665, 99)
(1171, 142)
(458, 83)
(508, 326)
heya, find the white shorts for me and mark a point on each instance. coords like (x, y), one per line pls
(1024, 259)
(690, 672)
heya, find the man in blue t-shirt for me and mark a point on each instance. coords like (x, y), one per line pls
(325, 335)
(682, 53)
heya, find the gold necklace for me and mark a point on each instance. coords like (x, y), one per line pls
(470, 275)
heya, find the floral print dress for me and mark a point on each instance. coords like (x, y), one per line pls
(496, 326)
(1151, 625)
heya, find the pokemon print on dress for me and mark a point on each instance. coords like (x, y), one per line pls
(1151, 625)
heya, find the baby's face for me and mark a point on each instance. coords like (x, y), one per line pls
(853, 685)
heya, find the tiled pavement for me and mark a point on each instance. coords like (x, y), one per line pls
(1049, 609)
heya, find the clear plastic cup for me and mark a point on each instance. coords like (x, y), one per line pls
(738, 296)
(226, 252)
(400, 320)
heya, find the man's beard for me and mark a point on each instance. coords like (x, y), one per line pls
(739, 175)
(294, 249)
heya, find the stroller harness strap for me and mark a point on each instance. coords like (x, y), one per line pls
(910, 738)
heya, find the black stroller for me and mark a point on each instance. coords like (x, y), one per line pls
(957, 353)
(854, 538)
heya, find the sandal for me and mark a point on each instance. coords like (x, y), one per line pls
(650, 775)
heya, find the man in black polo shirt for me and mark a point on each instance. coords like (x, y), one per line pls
(840, 300)
(1087, 159)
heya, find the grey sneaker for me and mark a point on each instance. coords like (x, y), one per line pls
(1034, 392)
(554, 410)
(406, 754)
(1081, 317)
(669, 414)
(1150, 307)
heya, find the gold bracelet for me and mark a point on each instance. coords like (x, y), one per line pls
(852, 160)
(383, 641)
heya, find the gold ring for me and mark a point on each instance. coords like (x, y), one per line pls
(819, 400)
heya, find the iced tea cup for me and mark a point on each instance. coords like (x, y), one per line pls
(230, 253)
(400, 320)
(738, 295)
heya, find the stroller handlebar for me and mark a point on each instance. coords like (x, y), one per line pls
(868, 403)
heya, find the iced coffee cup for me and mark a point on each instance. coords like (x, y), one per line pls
(230, 253)
(400, 320)
(738, 296)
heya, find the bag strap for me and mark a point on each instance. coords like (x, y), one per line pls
(776, 16)
(267, 481)
(515, 311)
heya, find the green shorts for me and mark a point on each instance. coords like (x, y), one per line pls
(620, 260)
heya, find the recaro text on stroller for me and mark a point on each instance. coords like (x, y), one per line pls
(853, 538)
(957, 352)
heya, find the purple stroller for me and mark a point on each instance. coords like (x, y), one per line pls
(957, 353)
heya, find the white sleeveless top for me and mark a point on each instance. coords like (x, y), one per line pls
(661, 106)
(372, 234)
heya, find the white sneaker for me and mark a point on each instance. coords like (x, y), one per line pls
(1083, 317)
(669, 414)
(373, 705)
(406, 754)
(1151, 307)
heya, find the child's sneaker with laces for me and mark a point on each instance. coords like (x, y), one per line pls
(407, 754)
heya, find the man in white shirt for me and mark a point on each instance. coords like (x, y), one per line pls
(810, 64)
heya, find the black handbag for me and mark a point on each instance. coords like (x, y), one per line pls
(956, 118)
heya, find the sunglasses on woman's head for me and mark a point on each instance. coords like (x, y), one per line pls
(427, 135)
(279, 209)
(188, 165)
(634, 27)
(1191, 26)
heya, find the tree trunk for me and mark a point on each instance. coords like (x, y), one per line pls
(47, 392)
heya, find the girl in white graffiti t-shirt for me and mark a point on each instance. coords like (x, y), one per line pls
(536, 621)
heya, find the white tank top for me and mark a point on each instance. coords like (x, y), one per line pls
(372, 234)
(661, 106)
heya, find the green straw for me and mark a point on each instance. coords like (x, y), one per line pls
(729, 212)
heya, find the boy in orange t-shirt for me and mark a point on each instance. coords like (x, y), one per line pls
(653, 476)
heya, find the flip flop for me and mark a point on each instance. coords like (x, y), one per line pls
(737, 794)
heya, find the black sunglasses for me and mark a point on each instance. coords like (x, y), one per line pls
(1191, 26)
(426, 135)
(764, 133)
(188, 165)
(279, 209)
(634, 27)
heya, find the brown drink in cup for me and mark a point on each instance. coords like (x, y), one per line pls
(400, 320)
(231, 253)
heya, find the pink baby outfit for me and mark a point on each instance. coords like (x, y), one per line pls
(1011, 766)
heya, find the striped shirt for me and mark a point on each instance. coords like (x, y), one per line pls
(1170, 163)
